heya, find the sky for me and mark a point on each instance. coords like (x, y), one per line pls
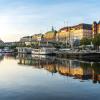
(20, 18)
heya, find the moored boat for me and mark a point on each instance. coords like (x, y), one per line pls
(43, 51)
(1, 50)
(7, 51)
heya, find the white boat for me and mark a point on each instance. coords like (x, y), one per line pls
(39, 56)
(1, 51)
(7, 51)
(24, 50)
(43, 51)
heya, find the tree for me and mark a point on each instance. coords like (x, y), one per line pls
(85, 41)
(96, 41)
(1, 47)
(13, 47)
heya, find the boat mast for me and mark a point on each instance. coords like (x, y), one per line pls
(66, 32)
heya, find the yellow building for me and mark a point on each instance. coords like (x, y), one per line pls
(74, 32)
(50, 35)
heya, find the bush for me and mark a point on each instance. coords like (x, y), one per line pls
(85, 41)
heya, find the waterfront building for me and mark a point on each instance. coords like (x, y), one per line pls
(50, 36)
(25, 40)
(37, 37)
(71, 33)
(95, 28)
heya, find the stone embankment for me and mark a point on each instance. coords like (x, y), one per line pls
(91, 55)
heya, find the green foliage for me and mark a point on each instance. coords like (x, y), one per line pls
(13, 47)
(28, 45)
(35, 45)
(59, 45)
(96, 40)
(85, 41)
(1, 47)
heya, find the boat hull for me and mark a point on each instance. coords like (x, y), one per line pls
(43, 51)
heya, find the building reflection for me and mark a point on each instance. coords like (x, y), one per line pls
(9, 55)
(1, 57)
(72, 68)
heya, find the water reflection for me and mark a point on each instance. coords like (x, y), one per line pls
(1, 57)
(30, 77)
(72, 68)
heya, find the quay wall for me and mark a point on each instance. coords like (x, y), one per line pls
(84, 56)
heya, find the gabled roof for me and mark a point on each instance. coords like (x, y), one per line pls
(27, 37)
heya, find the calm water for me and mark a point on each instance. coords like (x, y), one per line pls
(27, 77)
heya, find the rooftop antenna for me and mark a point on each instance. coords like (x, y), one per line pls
(65, 23)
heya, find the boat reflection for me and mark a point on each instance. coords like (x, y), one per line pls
(73, 68)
